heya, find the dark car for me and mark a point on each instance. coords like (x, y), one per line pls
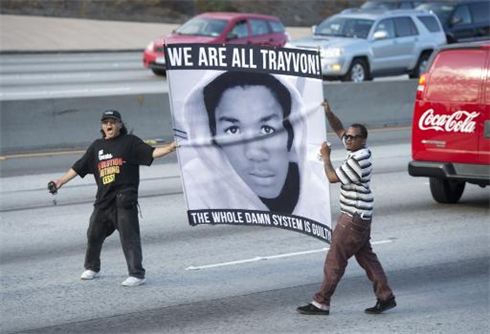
(462, 21)
(218, 28)
(389, 5)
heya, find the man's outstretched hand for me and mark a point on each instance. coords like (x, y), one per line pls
(326, 107)
(325, 150)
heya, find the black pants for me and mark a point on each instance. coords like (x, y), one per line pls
(122, 216)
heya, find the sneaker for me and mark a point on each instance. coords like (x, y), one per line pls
(312, 310)
(89, 274)
(133, 281)
(381, 306)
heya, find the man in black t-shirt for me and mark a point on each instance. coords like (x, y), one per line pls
(114, 161)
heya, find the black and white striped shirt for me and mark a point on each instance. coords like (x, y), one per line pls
(355, 176)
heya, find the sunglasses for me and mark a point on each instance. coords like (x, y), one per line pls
(347, 137)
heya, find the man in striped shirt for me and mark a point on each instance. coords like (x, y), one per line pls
(353, 230)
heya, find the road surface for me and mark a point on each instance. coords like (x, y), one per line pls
(61, 75)
(249, 279)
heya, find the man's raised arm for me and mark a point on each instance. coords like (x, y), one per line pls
(333, 120)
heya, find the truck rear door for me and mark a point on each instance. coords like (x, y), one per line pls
(484, 131)
(451, 109)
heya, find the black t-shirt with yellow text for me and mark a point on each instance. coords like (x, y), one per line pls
(115, 165)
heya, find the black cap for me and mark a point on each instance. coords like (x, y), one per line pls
(111, 113)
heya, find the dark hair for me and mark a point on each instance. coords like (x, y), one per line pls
(123, 131)
(213, 93)
(362, 129)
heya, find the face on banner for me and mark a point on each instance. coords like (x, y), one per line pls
(249, 145)
(261, 158)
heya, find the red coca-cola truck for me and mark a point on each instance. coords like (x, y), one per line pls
(451, 121)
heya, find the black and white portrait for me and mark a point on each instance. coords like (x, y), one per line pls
(250, 141)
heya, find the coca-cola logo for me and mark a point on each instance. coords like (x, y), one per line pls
(459, 121)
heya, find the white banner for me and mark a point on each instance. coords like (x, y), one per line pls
(249, 123)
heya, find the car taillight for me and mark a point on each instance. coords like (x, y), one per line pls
(421, 86)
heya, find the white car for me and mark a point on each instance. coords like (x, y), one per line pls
(357, 45)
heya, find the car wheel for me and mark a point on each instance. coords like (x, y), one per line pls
(158, 72)
(358, 71)
(421, 66)
(446, 191)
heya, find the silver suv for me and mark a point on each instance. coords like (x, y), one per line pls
(358, 45)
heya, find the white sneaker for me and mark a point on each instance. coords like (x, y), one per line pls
(89, 274)
(133, 281)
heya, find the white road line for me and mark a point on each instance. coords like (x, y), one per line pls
(261, 258)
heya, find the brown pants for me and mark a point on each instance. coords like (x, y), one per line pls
(351, 238)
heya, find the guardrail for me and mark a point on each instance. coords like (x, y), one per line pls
(67, 123)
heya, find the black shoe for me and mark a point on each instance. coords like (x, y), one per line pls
(381, 306)
(312, 310)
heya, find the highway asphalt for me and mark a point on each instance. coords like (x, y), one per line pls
(249, 279)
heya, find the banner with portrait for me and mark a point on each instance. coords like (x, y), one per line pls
(249, 123)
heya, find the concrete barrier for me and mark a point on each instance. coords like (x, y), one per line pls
(376, 104)
(67, 123)
(47, 124)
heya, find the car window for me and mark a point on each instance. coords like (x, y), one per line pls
(405, 27)
(344, 27)
(430, 23)
(240, 29)
(276, 26)
(259, 27)
(387, 25)
(480, 12)
(461, 15)
(360, 28)
(442, 10)
(202, 27)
